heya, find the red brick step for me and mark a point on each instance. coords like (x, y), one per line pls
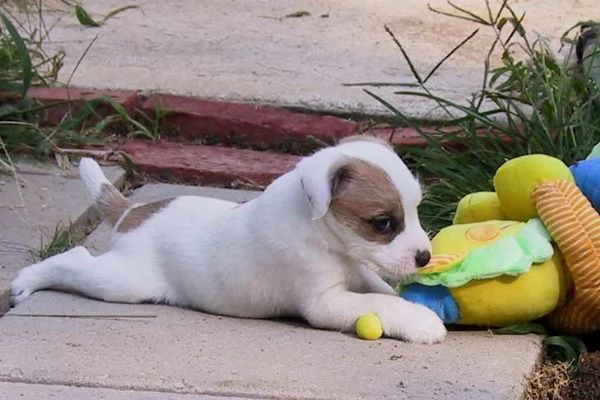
(205, 121)
(207, 165)
(242, 123)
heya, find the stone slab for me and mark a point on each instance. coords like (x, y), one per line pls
(56, 338)
(22, 391)
(250, 50)
(158, 191)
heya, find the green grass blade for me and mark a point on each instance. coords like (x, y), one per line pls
(118, 11)
(466, 110)
(84, 17)
(25, 59)
(449, 54)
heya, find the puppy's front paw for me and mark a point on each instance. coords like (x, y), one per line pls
(419, 325)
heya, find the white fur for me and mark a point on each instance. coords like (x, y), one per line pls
(92, 176)
(281, 254)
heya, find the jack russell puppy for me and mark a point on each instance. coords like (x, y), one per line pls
(315, 245)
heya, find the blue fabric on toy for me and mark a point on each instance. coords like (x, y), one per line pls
(587, 178)
(437, 298)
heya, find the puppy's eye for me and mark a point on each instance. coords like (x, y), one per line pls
(384, 224)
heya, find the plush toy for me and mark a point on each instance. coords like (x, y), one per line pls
(530, 250)
(575, 227)
(587, 177)
(527, 188)
(478, 207)
(487, 280)
(516, 179)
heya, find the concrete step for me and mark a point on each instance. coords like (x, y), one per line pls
(67, 340)
(254, 53)
(25, 391)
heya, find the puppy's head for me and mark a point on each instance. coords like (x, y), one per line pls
(366, 197)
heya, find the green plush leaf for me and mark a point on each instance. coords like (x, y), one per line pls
(595, 153)
(567, 348)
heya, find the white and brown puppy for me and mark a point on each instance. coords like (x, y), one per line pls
(313, 245)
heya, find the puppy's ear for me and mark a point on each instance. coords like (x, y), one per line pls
(323, 176)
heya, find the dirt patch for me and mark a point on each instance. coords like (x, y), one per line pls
(585, 384)
(550, 380)
(554, 380)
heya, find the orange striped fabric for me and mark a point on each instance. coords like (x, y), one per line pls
(440, 263)
(575, 228)
(437, 259)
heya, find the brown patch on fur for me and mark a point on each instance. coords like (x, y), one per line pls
(137, 215)
(111, 203)
(362, 193)
(365, 138)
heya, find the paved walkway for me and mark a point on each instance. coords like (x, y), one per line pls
(248, 50)
(71, 347)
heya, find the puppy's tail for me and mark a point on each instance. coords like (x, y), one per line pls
(108, 200)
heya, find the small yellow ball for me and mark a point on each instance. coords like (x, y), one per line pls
(369, 327)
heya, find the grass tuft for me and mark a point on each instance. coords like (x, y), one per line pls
(23, 63)
(63, 239)
(532, 103)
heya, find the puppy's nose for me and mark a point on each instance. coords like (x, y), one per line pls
(422, 258)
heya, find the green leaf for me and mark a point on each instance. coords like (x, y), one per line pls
(565, 347)
(298, 14)
(515, 23)
(136, 128)
(118, 11)
(522, 329)
(25, 59)
(101, 125)
(84, 18)
(467, 110)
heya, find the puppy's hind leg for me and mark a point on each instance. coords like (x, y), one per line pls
(108, 277)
